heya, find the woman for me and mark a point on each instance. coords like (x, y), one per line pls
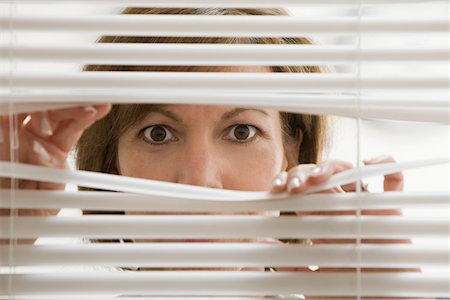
(296, 140)
(222, 147)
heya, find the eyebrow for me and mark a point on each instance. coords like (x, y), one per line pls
(173, 116)
(226, 116)
(236, 111)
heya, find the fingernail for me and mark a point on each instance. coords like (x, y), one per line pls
(317, 171)
(40, 150)
(313, 268)
(46, 128)
(280, 180)
(26, 120)
(293, 184)
(90, 109)
(277, 182)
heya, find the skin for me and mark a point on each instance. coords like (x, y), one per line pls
(201, 147)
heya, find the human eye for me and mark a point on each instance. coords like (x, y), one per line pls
(157, 135)
(242, 133)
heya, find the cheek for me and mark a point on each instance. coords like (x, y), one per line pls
(136, 162)
(252, 169)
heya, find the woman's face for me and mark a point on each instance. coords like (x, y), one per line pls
(224, 147)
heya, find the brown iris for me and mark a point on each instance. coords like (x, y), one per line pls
(241, 132)
(158, 134)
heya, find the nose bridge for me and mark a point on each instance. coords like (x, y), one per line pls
(199, 164)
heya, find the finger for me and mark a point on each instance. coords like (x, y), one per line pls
(5, 140)
(352, 187)
(6, 121)
(268, 241)
(297, 176)
(325, 170)
(392, 182)
(43, 152)
(43, 123)
(279, 183)
(38, 124)
(312, 176)
(40, 151)
(59, 115)
(70, 130)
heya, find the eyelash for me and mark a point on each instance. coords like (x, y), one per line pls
(142, 134)
(258, 133)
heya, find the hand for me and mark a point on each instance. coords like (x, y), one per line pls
(45, 139)
(299, 178)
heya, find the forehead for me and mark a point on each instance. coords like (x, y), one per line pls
(138, 112)
(200, 113)
(215, 110)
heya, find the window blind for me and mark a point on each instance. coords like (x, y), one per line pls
(391, 70)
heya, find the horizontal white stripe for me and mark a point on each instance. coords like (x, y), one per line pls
(197, 255)
(111, 201)
(216, 55)
(169, 189)
(220, 82)
(229, 283)
(433, 109)
(129, 297)
(228, 26)
(225, 3)
(219, 227)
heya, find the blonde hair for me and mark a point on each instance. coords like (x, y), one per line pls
(97, 148)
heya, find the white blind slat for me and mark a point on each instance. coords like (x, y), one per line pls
(226, 3)
(342, 94)
(229, 283)
(130, 297)
(220, 26)
(408, 108)
(111, 201)
(217, 55)
(219, 227)
(197, 255)
(153, 187)
(226, 81)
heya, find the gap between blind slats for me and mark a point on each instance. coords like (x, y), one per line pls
(226, 3)
(188, 255)
(220, 26)
(229, 283)
(225, 81)
(110, 201)
(407, 108)
(219, 227)
(217, 55)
